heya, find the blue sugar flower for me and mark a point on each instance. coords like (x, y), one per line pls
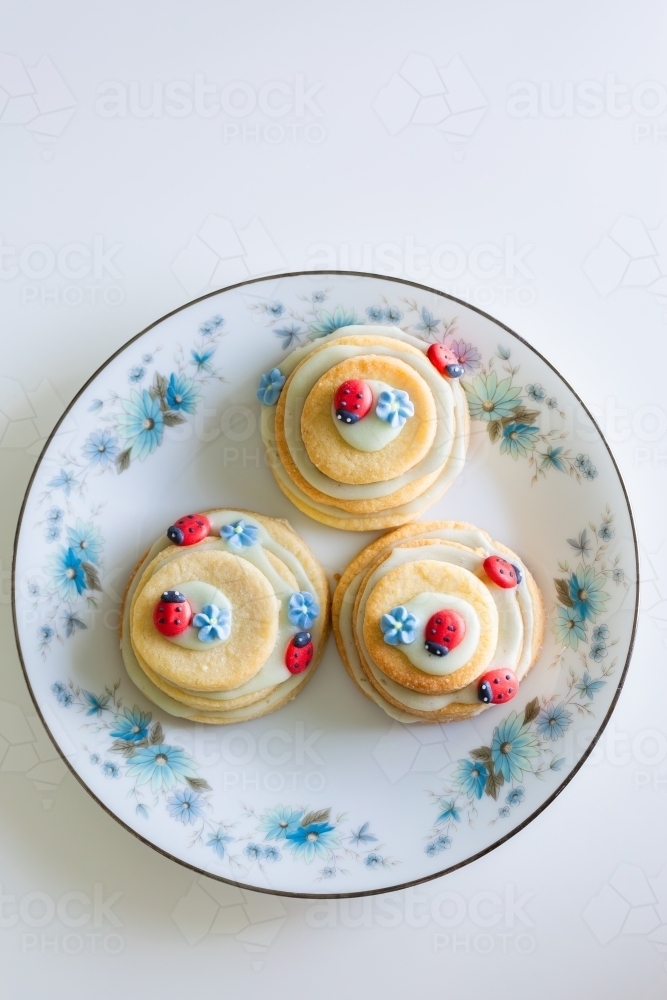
(271, 854)
(218, 841)
(393, 315)
(64, 481)
(588, 686)
(270, 387)
(142, 424)
(132, 726)
(600, 633)
(278, 822)
(394, 406)
(512, 748)
(568, 627)
(110, 770)
(598, 651)
(518, 439)
(45, 634)
(67, 575)
(85, 541)
(213, 623)
(185, 805)
(327, 323)
(375, 314)
(303, 609)
(471, 777)
(240, 534)
(54, 515)
(373, 860)
(211, 326)
(101, 448)
(606, 532)
(515, 796)
(161, 765)
(586, 593)
(553, 721)
(449, 812)
(536, 392)
(52, 532)
(182, 393)
(399, 627)
(136, 374)
(315, 839)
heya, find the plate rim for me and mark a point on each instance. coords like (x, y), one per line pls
(413, 882)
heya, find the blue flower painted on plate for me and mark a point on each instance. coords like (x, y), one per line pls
(467, 355)
(512, 748)
(598, 651)
(606, 533)
(253, 851)
(375, 314)
(270, 386)
(327, 323)
(239, 534)
(515, 796)
(551, 402)
(95, 758)
(289, 334)
(101, 449)
(362, 835)
(585, 467)
(147, 358)
(600, 633)
(307, 842)
(328, 872)
(63, 694)
(450, 813)
(394, 407)
(185, 805)
(429, 324)
(553, 721)
(588, 686)
(275, 309)
(536, 392)
(46, 633)
(213, 623)
(393, 315)
(218, 841)
(471, 777)
(201, 359)
(95, 704)
(303, 609)
(71, 622)
(489, 399)
(373, 860)
(86, 541)
(141, 424)
(399, 627)
(52, 532)
(586, 593)
(569, 628)
(278, 822)
(211, 326)
(552, 459)
(67, 575)
(504, 812)
(65, 481)
(54, 515)
(110, 770)
(271, 854)
(132, 726)
(618, 575)
(163, 766)
(518, 439)
(136, 374)
(182, 393)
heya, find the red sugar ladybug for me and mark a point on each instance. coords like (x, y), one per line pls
(445, 361)
(444, 631)
(299, 653)
(352, 401)
(189, 530)
(172, 613)
(497, 686)
(505, 574)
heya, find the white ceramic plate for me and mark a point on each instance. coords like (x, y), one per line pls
(328, 796)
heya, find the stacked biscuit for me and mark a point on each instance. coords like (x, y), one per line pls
(252, 588)
(372, 473)
(412, 592)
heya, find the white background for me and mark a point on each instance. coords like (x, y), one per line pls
(552, 224)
